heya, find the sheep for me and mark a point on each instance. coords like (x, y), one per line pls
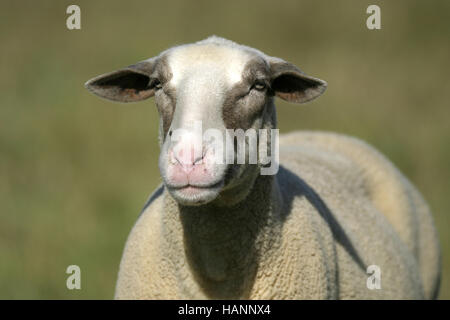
(335, 208)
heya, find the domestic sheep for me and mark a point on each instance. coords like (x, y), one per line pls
(219, 230)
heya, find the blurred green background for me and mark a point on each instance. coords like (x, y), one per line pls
(75, 170)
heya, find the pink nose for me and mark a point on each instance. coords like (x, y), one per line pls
(187, 158)
(188, 167)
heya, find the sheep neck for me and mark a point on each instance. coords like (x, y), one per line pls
(224, 245)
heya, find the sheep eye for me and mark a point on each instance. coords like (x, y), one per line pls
(259, 85)
(156, 84)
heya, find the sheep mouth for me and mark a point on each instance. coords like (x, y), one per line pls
(192, 194)
(192, 186)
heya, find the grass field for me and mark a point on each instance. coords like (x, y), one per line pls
(76, 170)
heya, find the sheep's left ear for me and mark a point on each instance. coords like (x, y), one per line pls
(289, 83)
(129, 84)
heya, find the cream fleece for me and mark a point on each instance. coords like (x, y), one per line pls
(335, 207)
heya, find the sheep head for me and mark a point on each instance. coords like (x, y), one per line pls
(217, 116)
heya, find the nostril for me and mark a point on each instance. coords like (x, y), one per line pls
(172, 158)
(198, 160)
(170, 133)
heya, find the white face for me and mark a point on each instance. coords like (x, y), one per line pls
(217, 62)
(202, 77)
(214, 84)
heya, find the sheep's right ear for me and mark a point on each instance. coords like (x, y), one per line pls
(130, 84)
